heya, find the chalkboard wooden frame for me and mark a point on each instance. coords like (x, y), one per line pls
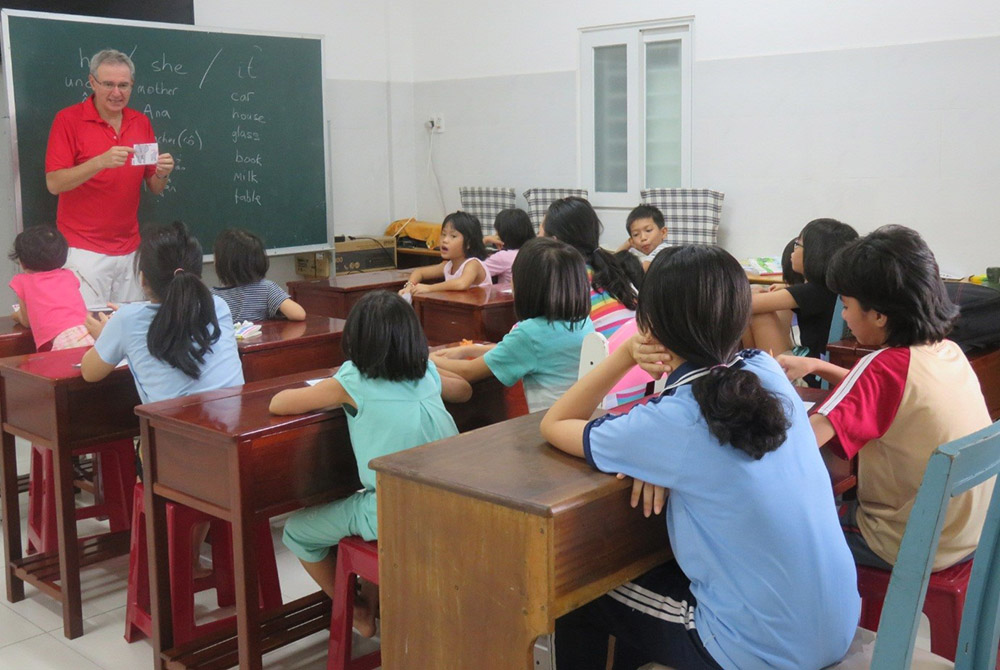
(294, 215)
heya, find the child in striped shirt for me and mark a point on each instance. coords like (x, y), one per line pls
(241, 264)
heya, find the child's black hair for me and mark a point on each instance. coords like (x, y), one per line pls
(468, 226)
(550, 280)
(821, 239)
(40, 248)
(514, 228)
(788, 274)
(644, 212)
(185, 326)
(384, 340)
(240, 257)
(573, 221)
(632, 266)
(894, 272)
(695, 301)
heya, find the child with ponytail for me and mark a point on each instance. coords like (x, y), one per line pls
(760, 564)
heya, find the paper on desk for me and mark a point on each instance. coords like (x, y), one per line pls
(145, 154)
(808, 405)
(313, 382)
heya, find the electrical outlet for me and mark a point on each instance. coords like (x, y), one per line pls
(437, 124)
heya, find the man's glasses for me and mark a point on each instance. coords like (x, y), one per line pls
(110, 86)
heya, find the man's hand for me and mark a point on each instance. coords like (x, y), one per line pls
(115, 157)
(164, 165)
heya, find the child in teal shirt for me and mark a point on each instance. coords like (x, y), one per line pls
(552, 303)
(392, 397)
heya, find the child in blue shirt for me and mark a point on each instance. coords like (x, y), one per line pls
(761, 576)
(392, 397)
(552, 304)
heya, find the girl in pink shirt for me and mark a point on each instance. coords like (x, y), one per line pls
(462, 251)
(48, 295)
(514, 228)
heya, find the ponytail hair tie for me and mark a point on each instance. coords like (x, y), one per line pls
(178, 271)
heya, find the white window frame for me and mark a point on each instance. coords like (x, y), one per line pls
(634, 36)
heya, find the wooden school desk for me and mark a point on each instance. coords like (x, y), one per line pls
(285, 347)
(15, 339)
(512, 535)
(985, 362)
(224, 454)
(335, 296)
(485, 314)
(44, 399)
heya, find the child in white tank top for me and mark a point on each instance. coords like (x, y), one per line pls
(462, 253)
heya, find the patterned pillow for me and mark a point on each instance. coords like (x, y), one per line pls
(539, 200)
(692, 214)
(486, 202)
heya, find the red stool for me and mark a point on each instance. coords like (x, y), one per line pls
(117, 474)
(181, 521)
(943, 604)
(360, 558)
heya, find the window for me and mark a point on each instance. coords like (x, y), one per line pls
(636, 109)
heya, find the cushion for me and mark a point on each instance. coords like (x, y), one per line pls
(539, 200)
(692, 214)
(486, 202)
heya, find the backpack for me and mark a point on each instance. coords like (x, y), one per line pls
(978, 324)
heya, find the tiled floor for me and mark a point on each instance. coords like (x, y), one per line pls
(31, 635)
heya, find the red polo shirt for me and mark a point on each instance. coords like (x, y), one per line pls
(99, 215)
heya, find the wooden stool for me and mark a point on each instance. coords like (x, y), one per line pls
(942, 605)
(181, 521)
(117, 474)
(355, 557)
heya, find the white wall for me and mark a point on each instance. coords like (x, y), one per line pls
(872, 112)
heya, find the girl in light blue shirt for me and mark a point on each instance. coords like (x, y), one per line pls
(552, 304)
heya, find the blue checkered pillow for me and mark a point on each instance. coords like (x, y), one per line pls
(692, 214)
(539, 200)
(486, 202)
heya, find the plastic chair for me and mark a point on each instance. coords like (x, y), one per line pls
(596, 348)
(355, 558)
(953, 469)
(181, 521)
(114, 467)
(837, 327)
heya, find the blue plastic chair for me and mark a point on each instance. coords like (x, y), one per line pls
(953, 469)
(836, 332)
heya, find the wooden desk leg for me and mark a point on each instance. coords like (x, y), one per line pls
(245, 569)
(69, 549)
(158, 559)
(11, 518)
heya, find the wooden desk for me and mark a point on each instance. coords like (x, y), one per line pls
(286, 347)
(475, 314)
(44, 399)
(224, 454)
(407, 257)
(512, 535)
(336, 295)
(15, 339)
(985, 362)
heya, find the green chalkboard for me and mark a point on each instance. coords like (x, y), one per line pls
(241, 113)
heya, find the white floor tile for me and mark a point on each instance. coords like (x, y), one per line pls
(14, 627)
(43, 652)
(104, 643)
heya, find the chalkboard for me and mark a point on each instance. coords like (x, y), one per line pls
(241, 113)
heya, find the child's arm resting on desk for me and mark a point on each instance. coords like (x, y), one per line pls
(797, 367)
(472, 275)
(471, 370)
(292, 310)
(420, 275)
(93, 367)
(771, 301)
(453, 387)
(325, 395)
(565, 421)
(21, 314)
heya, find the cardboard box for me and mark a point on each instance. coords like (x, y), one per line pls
(314, 265)
(365, 254)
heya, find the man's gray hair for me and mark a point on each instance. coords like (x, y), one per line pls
(111, 57)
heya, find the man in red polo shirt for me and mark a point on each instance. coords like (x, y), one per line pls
(88, 164)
